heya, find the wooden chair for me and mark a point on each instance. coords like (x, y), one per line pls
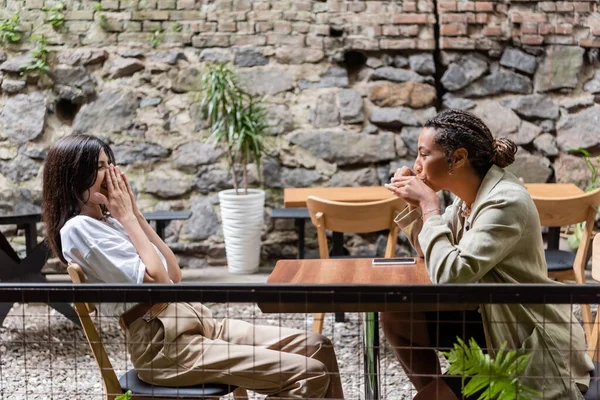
(130, 381)
(353, 218)
(563, 211)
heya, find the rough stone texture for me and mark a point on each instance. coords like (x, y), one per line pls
(327, 114)
(546, 143)
(569, 168)
(334, 77)
(20, 169)
(298, 177)
(20, 201)
(397, 117)
(132, 152)
(73, 83)
(212, 179)
(519, 60)
(167, 183)
(451, 101)
(82, 56)
(271, 172)
(560, 68)
(500, 81)
(187, 80)
(204, 221)
(298, 55)
(501, 120)
(526, 134)
(533, 106)
(120, 67)
(279, 119)
(112, 111)
(12, 86)
(398, 75)
(572, 104)
(346, 148)
(581, 130)
(410, 137)
(23, 117)
(422, 63)
(412, 94)
(168, 57)
(189, 156)
(593, 85)
(248, 57)
(262, 82)
(464, 71)
(351, 106)
(357, 178)
(13, 64)
(215, 55)
(531, 168)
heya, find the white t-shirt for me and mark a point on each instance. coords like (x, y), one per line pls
(105, 253)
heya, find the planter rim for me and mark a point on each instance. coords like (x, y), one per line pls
(231, 193)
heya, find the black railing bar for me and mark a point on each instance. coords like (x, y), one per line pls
(292, 293)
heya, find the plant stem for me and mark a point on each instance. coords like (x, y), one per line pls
(232, 163)
(245, 174)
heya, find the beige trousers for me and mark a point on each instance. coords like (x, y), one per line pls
(184, 346)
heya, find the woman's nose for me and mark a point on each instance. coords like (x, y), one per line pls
(417, 167)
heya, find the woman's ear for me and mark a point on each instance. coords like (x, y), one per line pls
(459, 158)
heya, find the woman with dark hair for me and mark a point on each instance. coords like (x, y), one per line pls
(490, 234)
(92, 220)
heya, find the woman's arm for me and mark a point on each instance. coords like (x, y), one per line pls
(496, 229)
(172, 264)
(121, 208)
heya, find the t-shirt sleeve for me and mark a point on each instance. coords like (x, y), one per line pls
(117, 259)
(103, 254)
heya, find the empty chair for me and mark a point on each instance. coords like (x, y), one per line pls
(353, 218)
(563, 211)
(130, 381)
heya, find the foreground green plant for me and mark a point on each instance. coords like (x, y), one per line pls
(124, 396)
(40, 54)
(238, 122)
(9, 29)
(494, 379)
(56, 18)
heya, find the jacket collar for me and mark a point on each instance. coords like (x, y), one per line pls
(490, 180)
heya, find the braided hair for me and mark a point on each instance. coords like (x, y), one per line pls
(460, 129)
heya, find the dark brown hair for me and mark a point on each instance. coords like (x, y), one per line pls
(460, 129)
(70, 170)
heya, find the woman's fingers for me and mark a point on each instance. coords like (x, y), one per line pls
(110, 184)
(120, 181)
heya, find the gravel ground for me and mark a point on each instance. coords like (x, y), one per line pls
(44, 356)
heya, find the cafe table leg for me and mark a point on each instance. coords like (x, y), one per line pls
(371, 355)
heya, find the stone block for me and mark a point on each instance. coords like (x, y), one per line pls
(453, 29)
(166, 5)
(211, 40)
(395, 44)
(80, 15)
(154, 15)
(464, 6)
(407, 19)
(494, 31)
(263, 26)
(132, 26)
(484, 6)
(284, 27)
(286, 40)
(301, 27)
(186, 4)
(227, 26)
(581, 6)
(248, 40)
(447, 6)
(457, 43)
(151, 26)
(77, 26)
(110, 4)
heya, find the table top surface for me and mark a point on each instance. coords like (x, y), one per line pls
(296, 197)
(359, 271)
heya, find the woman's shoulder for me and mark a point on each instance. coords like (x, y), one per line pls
(83, 225)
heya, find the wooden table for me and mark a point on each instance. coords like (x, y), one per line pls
(359, 272)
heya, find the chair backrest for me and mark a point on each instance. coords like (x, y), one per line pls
(109, 377)
(561, 211)
(593, 345)
(355, 218)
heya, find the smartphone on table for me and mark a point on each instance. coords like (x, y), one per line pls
(394, 261)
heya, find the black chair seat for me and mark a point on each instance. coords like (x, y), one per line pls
(131, 381)
(559, 260)
(593, 392)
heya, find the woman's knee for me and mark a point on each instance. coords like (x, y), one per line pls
(318, 378)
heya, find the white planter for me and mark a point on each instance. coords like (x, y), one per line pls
(242, 216)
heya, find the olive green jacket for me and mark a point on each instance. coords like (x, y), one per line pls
(503, 244)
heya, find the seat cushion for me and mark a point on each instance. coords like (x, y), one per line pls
(131, 381)
(593, 391)
(559, 260)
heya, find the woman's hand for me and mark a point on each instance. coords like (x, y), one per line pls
(402, 172)
(119, 200)
(415, 192)
(136, 210)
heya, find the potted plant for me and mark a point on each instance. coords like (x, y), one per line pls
(237, 123)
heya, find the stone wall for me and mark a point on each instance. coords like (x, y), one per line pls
(347, 85)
